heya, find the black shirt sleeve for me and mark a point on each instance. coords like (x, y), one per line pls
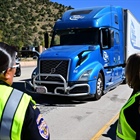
(138, 127)
(34, 125)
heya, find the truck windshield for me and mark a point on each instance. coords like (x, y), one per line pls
(76, 37)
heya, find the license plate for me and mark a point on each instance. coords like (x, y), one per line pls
(41, 89)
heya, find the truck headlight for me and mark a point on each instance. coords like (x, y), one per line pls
(85, 76)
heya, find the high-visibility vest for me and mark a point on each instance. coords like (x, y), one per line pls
(124, 130)
(13, 106)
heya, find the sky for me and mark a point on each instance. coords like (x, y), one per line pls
(132, 5)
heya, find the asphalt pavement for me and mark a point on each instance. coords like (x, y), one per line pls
(107, 132)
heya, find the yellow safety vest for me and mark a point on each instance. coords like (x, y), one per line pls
(13, 106)
(124, 131)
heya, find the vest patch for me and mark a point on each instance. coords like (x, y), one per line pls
(42, 127)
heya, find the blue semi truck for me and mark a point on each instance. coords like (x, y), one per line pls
(88, 52)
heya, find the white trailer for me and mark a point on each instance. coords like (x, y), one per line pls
(132, 34)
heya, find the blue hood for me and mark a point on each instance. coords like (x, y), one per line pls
(64, 51)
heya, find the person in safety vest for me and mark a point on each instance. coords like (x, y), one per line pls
(128, 127)
(20, 119)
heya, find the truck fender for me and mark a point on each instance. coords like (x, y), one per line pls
(96, 75)
(97, 68)
(34, 73)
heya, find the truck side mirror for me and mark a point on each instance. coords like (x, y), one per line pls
(111, 38)
(46, 40)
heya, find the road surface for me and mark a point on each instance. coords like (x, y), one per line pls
(70, 119)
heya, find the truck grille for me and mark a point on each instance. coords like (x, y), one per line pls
(54, 67)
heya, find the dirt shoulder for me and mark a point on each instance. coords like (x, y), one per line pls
(28, 62)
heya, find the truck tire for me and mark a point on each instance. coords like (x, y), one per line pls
(18, 71)
(124, 81)
(99, 87)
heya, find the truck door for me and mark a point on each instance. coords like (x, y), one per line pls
(111, 55)
(113, 51)
(118, 57)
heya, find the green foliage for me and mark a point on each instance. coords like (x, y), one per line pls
(1, 35)
(23, 23)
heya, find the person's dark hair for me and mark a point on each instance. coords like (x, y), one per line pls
(132, 71)
(7, 56)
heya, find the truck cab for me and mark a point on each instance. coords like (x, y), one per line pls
(86, 55)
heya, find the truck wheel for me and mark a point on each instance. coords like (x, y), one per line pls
(99, 87)
(124, 81)
(18, 71)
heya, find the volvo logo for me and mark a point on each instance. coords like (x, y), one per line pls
(53, 70)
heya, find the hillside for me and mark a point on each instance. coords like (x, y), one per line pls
(24, 22)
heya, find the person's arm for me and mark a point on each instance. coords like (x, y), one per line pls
(34, 127)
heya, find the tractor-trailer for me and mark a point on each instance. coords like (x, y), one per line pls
(88, 52)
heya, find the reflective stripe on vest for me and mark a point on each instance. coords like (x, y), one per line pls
(8, 114)
(119, 127)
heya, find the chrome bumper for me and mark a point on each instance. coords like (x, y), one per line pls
(64, 86)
